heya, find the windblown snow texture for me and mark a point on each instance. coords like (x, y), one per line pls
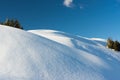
(55, 55)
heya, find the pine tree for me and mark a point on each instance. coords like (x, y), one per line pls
(116, 46)
(17, 25)
(7, 22)
(110, 43)
(12, 23)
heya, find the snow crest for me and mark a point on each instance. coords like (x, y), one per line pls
(54, 55)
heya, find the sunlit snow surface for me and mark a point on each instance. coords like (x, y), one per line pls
(55, 55)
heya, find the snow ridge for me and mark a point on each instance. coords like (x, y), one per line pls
(55, 55)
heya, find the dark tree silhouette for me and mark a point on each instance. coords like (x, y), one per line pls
(116, 46)
(110, 43)
(113, 44)
(12, 23)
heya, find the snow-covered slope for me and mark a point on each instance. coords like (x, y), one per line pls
(55, 55)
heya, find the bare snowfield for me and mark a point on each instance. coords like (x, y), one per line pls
(55, 55)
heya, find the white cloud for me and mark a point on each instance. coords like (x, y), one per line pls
(68, 3)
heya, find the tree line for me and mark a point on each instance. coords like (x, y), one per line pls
(12, 23)
(113, 44)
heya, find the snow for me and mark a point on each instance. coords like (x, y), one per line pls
(50, 35)
(98, 39)
(55, 55)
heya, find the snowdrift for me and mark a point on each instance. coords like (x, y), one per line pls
(55, 55)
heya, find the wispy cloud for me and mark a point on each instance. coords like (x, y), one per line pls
(68, 3)
(71, 4)
(81, 7)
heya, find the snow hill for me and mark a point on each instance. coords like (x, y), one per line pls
(55, 55)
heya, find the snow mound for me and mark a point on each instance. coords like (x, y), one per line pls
(54, 55)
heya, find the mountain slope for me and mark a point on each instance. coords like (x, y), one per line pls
(54, 55)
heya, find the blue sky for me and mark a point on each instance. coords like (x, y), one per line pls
(89, 18)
